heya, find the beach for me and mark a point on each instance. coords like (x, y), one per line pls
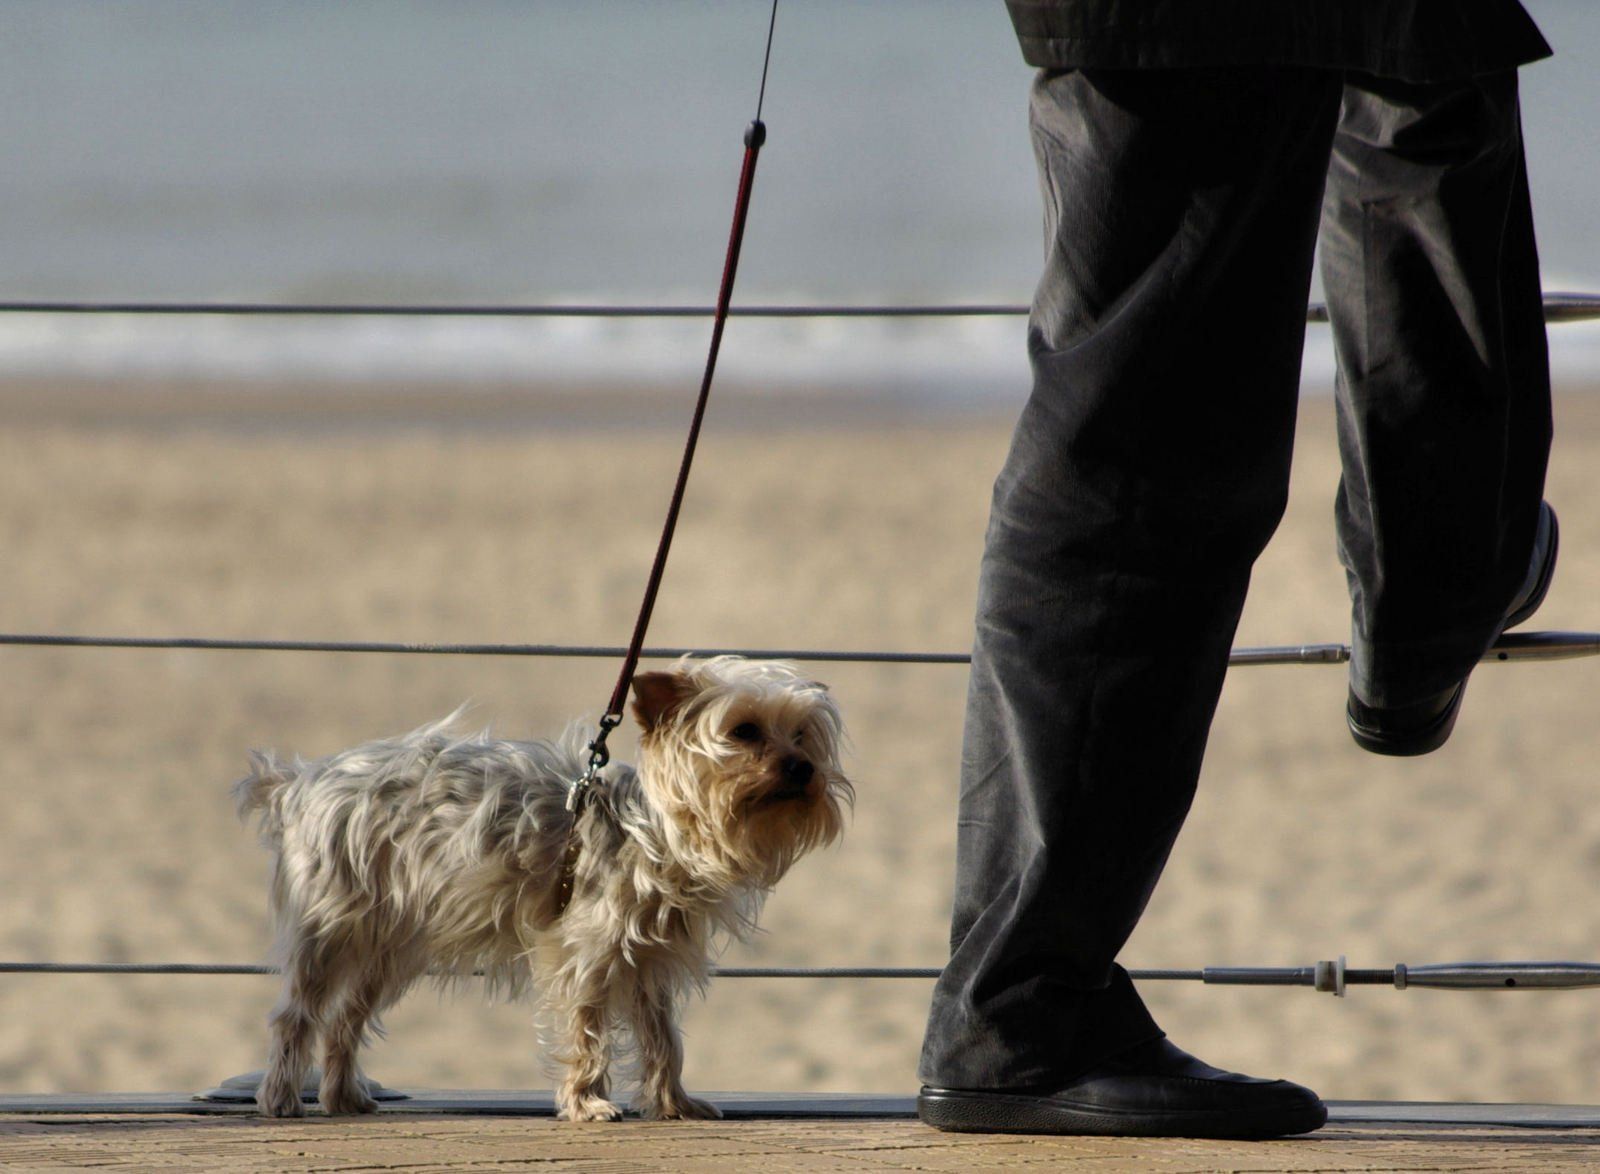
(512, 517)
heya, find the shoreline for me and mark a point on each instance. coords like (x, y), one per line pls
(486, 408)
(306, 408)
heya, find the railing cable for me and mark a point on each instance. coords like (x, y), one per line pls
(1516, 646)
(1558, 307)
(1330, 976)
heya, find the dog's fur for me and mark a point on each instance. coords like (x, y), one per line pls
(439, 854)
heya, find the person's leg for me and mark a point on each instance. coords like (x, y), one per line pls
(1444, 390)
(1148, 469)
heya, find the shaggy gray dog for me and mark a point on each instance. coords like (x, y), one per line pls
(439, 854)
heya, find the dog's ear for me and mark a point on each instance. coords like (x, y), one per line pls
(656, 695)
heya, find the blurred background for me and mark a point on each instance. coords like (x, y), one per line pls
(503, 480)
(497, 150)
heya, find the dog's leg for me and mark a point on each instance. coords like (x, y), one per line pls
(579, 1013)
(584, 1094)
(364, 996)
(294, 1023)
(652, 1015)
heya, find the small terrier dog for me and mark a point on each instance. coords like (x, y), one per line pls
(439, 854)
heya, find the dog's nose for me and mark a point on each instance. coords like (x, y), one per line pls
(798, 772)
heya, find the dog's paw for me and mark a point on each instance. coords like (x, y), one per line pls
(346, 1101)
(589, 1108)
(682, 1107)
(276, 1098)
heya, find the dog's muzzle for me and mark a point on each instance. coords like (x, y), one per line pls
(794, 780)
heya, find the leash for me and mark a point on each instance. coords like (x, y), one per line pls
(755, 135)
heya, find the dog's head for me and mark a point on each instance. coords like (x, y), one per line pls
(741, 758)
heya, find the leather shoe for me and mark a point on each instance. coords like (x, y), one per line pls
(1424, 726)
(1152, 1090)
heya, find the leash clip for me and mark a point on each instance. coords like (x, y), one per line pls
(599, 756)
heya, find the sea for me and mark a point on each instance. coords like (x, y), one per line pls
(525, 152)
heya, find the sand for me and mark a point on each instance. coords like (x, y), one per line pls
(534, 522)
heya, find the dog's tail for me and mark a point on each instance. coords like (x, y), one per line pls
(259, 793)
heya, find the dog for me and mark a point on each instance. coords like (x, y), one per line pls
(443, 855)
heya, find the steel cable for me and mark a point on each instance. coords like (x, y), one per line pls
(1329, 976)
(1558, 307)
(1516, 646)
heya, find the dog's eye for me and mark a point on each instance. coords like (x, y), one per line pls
(745, 732)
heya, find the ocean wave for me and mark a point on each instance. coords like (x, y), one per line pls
(980, 358)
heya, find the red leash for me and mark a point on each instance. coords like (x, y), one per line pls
(754, 136)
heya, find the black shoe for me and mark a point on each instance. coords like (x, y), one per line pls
(1424, 726)
(1153, 1090)
(1404, 731)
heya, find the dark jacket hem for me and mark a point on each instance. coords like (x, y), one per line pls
(1407, 65)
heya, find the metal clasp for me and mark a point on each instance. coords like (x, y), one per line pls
(598, 757)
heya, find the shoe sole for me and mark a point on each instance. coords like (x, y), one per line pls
(958, 1111)
(1412, 743)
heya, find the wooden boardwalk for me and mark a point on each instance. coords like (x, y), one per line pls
(512, 1131)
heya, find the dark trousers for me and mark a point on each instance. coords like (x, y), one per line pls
(1151, 463)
